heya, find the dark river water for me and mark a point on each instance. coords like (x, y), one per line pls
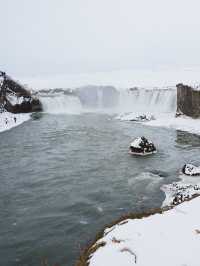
(63, 177)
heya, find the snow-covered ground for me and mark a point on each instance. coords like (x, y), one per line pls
(171, 238)
(8, 121)
(183, 123)
(168, 120)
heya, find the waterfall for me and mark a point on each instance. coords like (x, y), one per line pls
(148, 101)
(93, 98)
(61, 104)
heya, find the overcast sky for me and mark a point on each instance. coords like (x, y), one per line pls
(75, 36)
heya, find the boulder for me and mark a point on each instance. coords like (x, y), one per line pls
(142, 146)
(142, 118)
(15, 98)
(191, 170)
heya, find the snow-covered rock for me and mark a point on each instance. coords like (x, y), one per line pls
(178, 192)
(185, 189)
(190, 169)
(135, 117)
(142, 146)
(15, 98)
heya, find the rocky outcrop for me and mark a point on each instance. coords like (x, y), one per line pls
(191, 170)
(15, 98)
(142, 146)
(188, 101)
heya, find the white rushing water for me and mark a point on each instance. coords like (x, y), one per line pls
(61, 104)
(140, 100)
(148, 101)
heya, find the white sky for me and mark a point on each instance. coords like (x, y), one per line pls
(77, 36)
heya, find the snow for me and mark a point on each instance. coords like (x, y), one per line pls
(168, 120)
(135, 117)
(183, 123)
(15, 100)
(185, 188)
(191, 169)
(171, 238)
(136, 143)
(9, 117)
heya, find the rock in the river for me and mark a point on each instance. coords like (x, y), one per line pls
(15, 98)
(188, 100)
(191, 170)
(142, 118)
(141, 146)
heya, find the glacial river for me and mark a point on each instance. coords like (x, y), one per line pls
(63, 177)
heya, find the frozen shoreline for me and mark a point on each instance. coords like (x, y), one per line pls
(167, 120)
(7, 120)
(183, 123)
(171, 237)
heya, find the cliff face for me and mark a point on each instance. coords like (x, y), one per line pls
(188, 100)
(15, 98)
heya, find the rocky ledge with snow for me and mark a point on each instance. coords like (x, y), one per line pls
(14, 98)
(15, 103)
(191, 170)
(135, 117)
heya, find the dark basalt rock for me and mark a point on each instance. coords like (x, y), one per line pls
(10, 89)
(188, 101)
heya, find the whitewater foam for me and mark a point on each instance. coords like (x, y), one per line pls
(148, 101)
(61, 104)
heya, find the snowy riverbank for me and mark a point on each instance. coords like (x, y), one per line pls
(168, 120)
(183, 123)
(168, 238)
(9, 120)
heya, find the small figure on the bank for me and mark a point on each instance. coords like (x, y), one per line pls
(15, 119)
(6, 120)
(2, 74)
